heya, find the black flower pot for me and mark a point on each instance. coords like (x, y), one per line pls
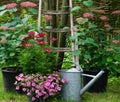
(9, 74)
(100, 85)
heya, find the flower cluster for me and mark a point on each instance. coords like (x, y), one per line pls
(22, 4)
(39, 86)
(39, 38)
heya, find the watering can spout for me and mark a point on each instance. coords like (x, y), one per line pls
(91, 82)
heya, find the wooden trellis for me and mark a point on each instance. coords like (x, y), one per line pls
(59, 30)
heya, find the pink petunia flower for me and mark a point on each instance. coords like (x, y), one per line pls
(17, 87)
(33, 98)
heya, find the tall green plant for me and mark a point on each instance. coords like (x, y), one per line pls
(95, 37)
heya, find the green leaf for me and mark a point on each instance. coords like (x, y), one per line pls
(109, 59)
(87, 55)
(2, 7)
(75, 8)
(76, 52)
(88, 3)
(12, 54)
(117, 58)
(90, 41)
(12, 10)
(33, 10)
(92, 25)
(79, 0)
(72, 38)
(2, 12)
(48, 27)
(26, 17)
(82, 20)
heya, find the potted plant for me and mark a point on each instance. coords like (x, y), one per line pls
(39, 87)
(96, 50)
(11, 29)
(9, 51)
(37, 55)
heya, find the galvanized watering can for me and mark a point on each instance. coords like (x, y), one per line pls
(73, 89)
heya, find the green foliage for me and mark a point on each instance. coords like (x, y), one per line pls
(9, 48)
(35, 60)
(88, 3)
(95, 39)
(14, 23)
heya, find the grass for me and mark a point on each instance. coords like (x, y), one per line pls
(112, 94)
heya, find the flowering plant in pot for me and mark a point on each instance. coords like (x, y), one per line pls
(95, 40)
(9, 52)
(18, 21)
(40, 87)
(18, 18)
(37, 55)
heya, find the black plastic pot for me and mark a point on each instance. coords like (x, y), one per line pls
(9, 74)
(100, 85)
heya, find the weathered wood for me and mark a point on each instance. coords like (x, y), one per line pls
(61, 49)
(57, 30)
(54, 12)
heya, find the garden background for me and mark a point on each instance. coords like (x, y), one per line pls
(109, 60)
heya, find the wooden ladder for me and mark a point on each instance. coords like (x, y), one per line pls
(56, 30)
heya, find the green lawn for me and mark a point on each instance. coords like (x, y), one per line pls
(112, 94)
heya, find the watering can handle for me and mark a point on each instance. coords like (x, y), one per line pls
(78, 67)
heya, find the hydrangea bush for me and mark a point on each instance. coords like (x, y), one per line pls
(39, 86)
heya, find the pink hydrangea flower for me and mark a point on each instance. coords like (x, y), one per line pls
(107, 25)
(116, 12)
(11, 5)
(103, 18)
(28, 4)
(99, 11)
(88, 15)
(48, 17)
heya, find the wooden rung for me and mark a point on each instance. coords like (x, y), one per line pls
(57, 30)
(54, 12)
(60, 49)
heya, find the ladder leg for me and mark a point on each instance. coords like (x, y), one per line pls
(74, 46)
(39, 15)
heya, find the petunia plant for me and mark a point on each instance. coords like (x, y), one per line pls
(38, 86)
(37, 55)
